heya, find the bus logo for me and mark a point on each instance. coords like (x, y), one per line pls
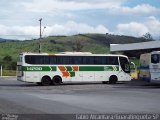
(34, 68)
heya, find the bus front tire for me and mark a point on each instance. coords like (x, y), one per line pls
(113, 79)
(46, 80)
(57, 80)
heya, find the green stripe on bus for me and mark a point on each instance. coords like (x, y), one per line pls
(111, 68)
(91, 68)
(39, 68)
(69, 68)
(72, 74)
(98, 68)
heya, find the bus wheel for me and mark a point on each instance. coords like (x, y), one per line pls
(46, 80)
(113, 79)
(57, 80)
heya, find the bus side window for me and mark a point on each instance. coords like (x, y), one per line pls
(76, 60)
(88, 60)
(29, 59)
(112, 60)
(53, 60)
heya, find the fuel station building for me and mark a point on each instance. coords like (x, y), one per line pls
(135, 49)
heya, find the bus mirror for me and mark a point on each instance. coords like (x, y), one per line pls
(132, 63)
(133, 66)
(134, 73)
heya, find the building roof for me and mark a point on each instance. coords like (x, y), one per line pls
(135, 46)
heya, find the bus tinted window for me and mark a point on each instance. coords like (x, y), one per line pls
(100, 60)
(88, 60)
(30, 59)
(112, 60)
(155, 58)
(52, 60)
(72, 60)
(76, 60)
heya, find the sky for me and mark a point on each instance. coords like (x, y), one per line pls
(19, 19)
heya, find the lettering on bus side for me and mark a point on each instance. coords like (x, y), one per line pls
(111, 68)
(34, 68)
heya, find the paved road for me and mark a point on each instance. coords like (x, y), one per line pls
(28, 98)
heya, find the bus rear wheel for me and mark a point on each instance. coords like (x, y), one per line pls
(57, 80)
(113, 79)
(46, 80)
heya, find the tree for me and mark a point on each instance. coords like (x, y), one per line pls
(7, 58)
(147, 36)
(78, 46)
(7, 62)
(13, 65)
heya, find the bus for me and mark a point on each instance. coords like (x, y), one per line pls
(144, 71)
(47, 69)
(150, 67)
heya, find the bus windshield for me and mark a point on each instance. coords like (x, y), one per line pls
(125, 64)
(155, 58)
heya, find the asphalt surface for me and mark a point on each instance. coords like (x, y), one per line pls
(77, 98)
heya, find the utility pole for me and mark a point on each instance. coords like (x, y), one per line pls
(40, 20)
(1, 69)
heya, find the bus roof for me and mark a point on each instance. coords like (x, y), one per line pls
(71, 54)
(155, 52)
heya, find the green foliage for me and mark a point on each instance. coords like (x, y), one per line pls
(9, 73)
(7, 58)
(8, 63)
(78, 46)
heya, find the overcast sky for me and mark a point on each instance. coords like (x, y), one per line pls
(19, 19)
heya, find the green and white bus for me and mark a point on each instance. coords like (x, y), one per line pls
(47, 69)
